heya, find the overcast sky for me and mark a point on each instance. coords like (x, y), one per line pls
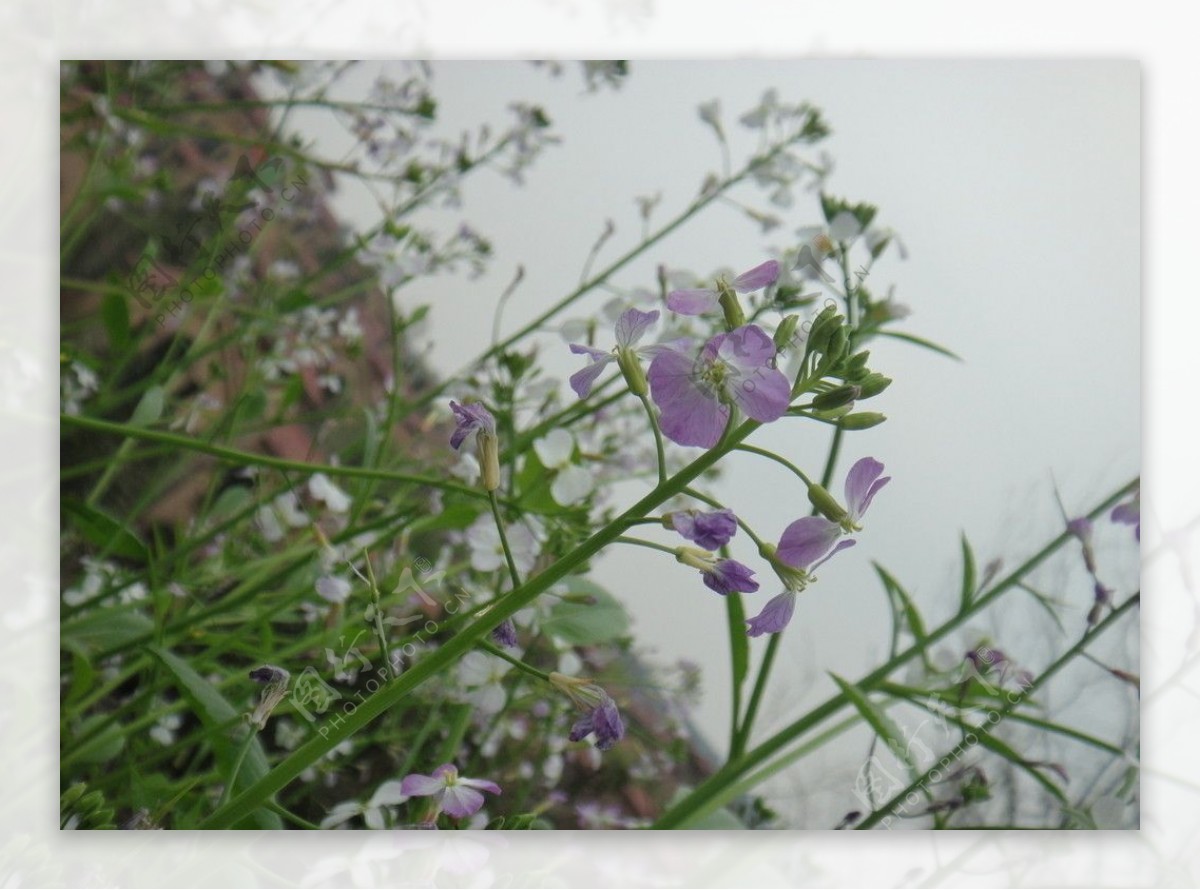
(1015, 188)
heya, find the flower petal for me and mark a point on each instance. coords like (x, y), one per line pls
(763, 396)
(584, 379)
(342, 812)
(483, 784)
(460, 801)
(774, 617)
(571, 486)
(555, 448)
(710, 531)
(807, 540)
(862, 482)
(417, 785)
(695, 301)
(844, 544)
(632, 324)
(730, 576)
(690, 414)
(748, 348)
(756, 278)
(389, 793)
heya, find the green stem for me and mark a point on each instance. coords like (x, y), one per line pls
(782, 461)
(515, 662)
(377, 610)
(764, 670)
(508, 557)
(243, 750)
(262, 460)
(658, 439)
(649, 545)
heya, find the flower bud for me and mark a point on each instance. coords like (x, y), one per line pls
(734, 317)
(836, 397)
(863, 420)
(873, 384)
(786, 331)
(826, 505)
(631, 369)
(489, 461)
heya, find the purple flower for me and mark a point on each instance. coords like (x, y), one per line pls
(804, 545)
(451, 793)
(693, 394)
(724, 576)
(709, 531)
(505, 633)
(632, 324)
(697, 301)
(1130, 513)
(862, 484)
(774, 617)
(470, 418)
(601, 717)
(728, 576)
(604, 721)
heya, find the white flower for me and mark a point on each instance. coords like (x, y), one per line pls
(163, 731)
(333, 588)
(483, 675)
(321, 488)
(373, 811)
(571, 483)
(487, 553)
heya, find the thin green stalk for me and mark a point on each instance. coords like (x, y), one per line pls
(650, 545)
(515, 662)
(658, 439)
(377, 614)
(262, 460)
(782, 461)
(243, 749)
(508, 557)
(764, 670)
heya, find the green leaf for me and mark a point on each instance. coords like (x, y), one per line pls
(912, 617)
(149, 409)
(920, 341)
(106, 532)
(114, 312)
(739, 643)
(104, 746)
(879, 721)
(217, 715)
(101, 630)
(583, 624)
(968, 580)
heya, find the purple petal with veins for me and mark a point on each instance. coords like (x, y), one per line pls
(729, 576)
(691, 415)
(694, 301)
(807, 540)
(632, 324)
(756, 278)
(774, 617)
(862, 484)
